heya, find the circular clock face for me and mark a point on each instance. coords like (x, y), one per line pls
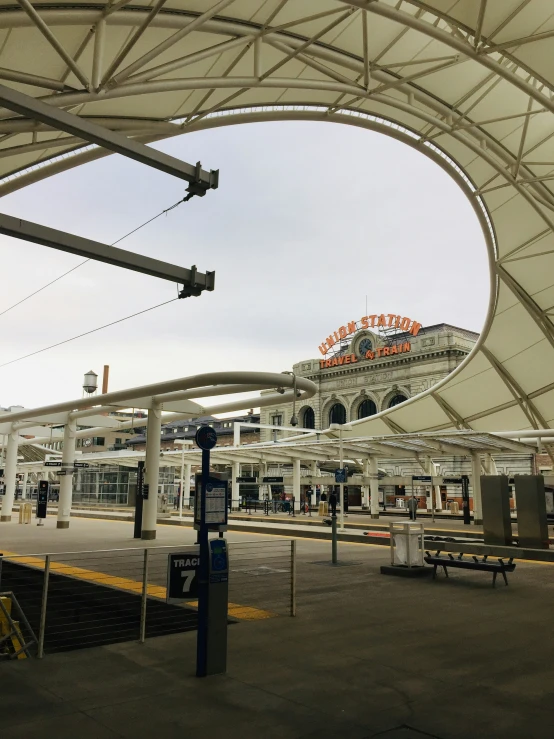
(87, 442)
(206, 437)
(365, 346)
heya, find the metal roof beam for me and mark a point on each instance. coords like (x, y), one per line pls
(53, 41)
(454, 416)
(173, 39)
(527, 406)
(25, 105)
(193, 281)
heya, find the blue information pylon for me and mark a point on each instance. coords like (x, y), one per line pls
(211, 651)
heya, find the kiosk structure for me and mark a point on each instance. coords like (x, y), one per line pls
(213, 587)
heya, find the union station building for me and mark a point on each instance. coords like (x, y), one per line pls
(370, 365)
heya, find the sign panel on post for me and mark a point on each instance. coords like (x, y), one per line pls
(52, 464)
(216, 502)
(422, 478)
(272, 479)
(340, 475)
(42, 498)
(452, 480)
(247, 479)
(182, 575)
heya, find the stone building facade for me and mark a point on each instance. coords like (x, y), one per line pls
(369, 371)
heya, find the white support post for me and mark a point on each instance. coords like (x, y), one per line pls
(476, 487)
(490, 465)
(10, 472)
(264, 488)
(431, 469)
(374, 486)
(296, 483)
(24, 495)
(185, 486)
(150, 506)
(365, 488)
(66, 481)
(236, 434)
(235, 486)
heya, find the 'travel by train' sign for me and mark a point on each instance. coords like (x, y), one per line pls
(385, 321)
(377, 353)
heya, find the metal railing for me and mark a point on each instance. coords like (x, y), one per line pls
(73, 600)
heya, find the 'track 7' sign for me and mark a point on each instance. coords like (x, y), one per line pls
(383, 320)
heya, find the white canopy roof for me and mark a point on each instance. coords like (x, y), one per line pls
(469, 83)
(402, 446)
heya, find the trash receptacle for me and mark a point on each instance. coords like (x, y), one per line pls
(323, 508)
(25, 513)
(406, 543)
(454, 507)
(163, 506)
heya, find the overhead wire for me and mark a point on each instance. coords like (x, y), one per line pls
(87, 333)
(107, 325)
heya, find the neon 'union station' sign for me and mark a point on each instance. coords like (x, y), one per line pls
(382, 320)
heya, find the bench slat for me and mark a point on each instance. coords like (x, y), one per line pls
(469, 565)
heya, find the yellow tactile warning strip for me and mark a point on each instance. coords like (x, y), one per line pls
(244, 613)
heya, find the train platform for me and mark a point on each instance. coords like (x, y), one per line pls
(358, 528)
(366, 656)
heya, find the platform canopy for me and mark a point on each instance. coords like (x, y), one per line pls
(468, 83)
(324, 450)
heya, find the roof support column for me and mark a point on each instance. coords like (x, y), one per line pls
(10, 471)
(235, 486)
(24, 494)
(264, 488)
(476, 487)
(374, 486)
(432, 469)
(490, 465)
(66, 481)
(365, 488)
(185, 485)
(296, 483)
(150, 506)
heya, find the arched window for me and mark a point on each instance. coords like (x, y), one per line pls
(367, 408)
(396, 400)
(309, 418)
(337, 414)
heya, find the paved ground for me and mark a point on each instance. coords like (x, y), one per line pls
(366, 656)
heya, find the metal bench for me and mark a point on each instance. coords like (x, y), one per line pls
(481, 565)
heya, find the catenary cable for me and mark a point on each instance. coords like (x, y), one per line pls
(87, 333)
(40, 289)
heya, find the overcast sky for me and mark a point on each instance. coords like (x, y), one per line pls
(308, 220)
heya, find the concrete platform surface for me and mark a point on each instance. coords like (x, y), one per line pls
(366, 656)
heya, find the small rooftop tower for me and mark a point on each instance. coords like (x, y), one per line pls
(90, 382)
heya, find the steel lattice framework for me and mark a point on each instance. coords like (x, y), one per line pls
(469, 83)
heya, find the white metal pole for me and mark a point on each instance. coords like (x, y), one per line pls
(10, 472)
(365, 488)
(476, 487)
(182, 486)
(235, 487)
(66, 481)
(150, 507)
(374, 486)
(188, 473)
(236, 434)
(25, 481)
(341, 485)
(296, 483)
